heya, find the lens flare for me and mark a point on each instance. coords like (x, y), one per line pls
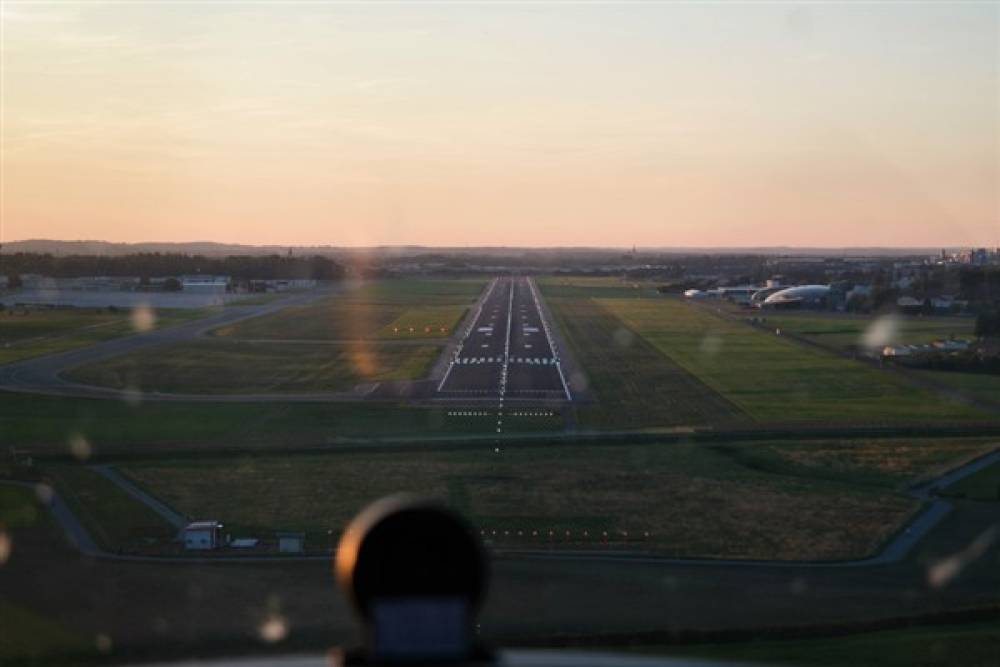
(882, 331)
(143, 318)
(79, 447)
(274, 629)
(6, 546)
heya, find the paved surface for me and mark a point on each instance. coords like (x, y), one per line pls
(75, 533)
(507, 351)
(174, 518)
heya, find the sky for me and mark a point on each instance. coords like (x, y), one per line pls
(513, 124)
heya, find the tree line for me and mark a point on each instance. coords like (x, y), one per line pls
(158, 265)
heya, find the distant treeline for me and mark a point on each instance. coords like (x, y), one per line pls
(154, 265)
(980, 284)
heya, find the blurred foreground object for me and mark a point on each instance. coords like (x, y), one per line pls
(416, 573)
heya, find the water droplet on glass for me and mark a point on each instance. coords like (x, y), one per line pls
(103, 643)
(44, 493)
(623, 337)
(6, 546)
(273, 629)
(143, 318)
(882, 331)
(79, 447)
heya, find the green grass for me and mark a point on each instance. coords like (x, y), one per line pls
(966, 645)
(30, 638)
(691, 500)
(889, 463)
(41, 332)
(112, 517)
(220, 366)
(604, 287)
(776, 380)
(44, 425)
(983, 485)
(19, 508)
(982, 385)
(370, 311)
(636, 386)
(424, 322)
(848, 331)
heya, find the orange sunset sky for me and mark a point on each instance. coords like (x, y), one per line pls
(531, 124)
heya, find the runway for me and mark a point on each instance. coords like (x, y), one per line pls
(507, 350)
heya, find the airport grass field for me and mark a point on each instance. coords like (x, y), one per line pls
(828, 499)
(892, 463)
(654, 365)
(44, 425)
(373, 332)
(112, 517)
(776, 380)
(655, 496)
(224, 366)
(651, 361)
(756, 374)
(847, 332)
(982, 486)
(27, 333)
(635, 385)
(386, 309)
(981, 385)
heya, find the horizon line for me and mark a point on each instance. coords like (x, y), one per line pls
(627, 247)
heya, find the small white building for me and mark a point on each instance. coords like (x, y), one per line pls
(908, 304)
(291, 543)
(203, 535)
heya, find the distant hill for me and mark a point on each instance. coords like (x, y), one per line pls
(212, 249)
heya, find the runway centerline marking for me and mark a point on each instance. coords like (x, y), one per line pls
(506, 358)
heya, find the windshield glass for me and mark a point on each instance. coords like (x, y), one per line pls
(691, 310)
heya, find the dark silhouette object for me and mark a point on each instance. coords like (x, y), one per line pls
(416, 574)
(988, 324)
